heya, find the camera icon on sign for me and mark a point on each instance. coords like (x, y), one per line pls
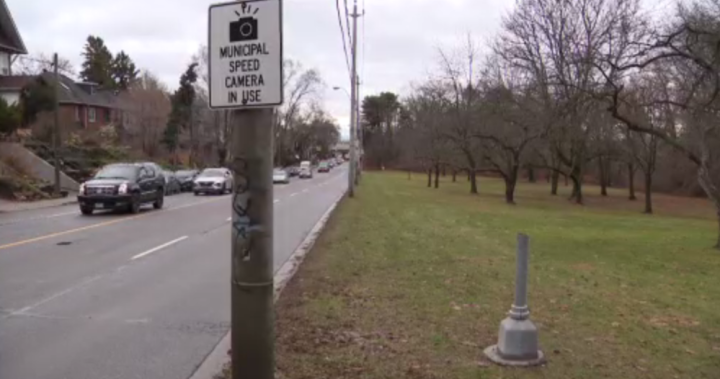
(246, 28)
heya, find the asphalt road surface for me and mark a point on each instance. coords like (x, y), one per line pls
(131, 296)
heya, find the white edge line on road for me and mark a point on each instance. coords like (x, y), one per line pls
(155, 249)
(55, 296)
(228, 219)
(293, 194)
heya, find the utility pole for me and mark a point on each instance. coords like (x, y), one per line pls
(252, 312)
(359, 136)
(353, 107)
(241, 26)
(56, 127)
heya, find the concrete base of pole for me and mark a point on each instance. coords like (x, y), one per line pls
(517, 344)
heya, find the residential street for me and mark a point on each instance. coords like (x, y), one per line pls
(123, 296)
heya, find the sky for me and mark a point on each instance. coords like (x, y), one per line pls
(397, 44)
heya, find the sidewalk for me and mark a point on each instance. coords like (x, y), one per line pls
(7, 206)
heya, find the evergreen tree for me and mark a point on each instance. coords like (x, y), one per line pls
(98, 64)
(124, 72)
(181, 114)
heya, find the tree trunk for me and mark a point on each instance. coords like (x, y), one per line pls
(531, 174)
(454, 176)
(429, 178)
(473, 183)
(576, 177)
(444, 171)
(648, 192)
(509, 191)
(437, 176)
(409, 172)
(603, 177)
(631, 181)
(554, 181)
(712, 191)
(566, 180)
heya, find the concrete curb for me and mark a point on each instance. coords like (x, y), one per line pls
(214, 362)
(31, 208)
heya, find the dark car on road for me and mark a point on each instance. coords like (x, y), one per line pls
(125, 186)
(172, 184)
(323, 167)
(186, 179)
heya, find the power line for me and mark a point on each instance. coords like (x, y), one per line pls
(342, 34)
(347, 21)
(50, 63)
(363, 41)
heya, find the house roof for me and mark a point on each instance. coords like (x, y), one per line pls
(10, 38)
(15, 82)
(74, 93)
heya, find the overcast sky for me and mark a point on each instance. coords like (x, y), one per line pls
(400, 40)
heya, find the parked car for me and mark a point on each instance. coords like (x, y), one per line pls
(186, 179)
(331, 163)
(172, 184)
(293, 171)
(324, 166)
(306, 170)
(122, 186)
(281, 176)
(213, 181)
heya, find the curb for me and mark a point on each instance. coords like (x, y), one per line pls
(69, 202)
(215, 361)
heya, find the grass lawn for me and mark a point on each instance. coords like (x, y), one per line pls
(412, 282)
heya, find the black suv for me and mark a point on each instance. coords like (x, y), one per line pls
(123, 186)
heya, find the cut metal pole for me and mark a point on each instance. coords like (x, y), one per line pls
(358, 132)
(518, 337)
(252, 313)
(56, 126)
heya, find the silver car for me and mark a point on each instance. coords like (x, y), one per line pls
(281, 176)
(213, 181)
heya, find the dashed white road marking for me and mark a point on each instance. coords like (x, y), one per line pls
(158, 248)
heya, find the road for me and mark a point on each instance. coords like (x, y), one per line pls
(131, 296)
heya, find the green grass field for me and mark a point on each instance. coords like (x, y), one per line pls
(412, 282)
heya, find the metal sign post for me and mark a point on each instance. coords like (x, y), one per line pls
(245, 63)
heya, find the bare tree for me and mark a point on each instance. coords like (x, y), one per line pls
(146, 109)
(460, 79)
(687, 51)
(39, 63)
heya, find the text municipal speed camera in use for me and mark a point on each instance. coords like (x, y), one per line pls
(245, 54)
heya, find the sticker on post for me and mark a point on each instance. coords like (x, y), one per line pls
(245, 54)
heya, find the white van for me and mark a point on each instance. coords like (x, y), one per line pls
(306, 170)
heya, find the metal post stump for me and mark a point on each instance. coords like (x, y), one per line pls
(518, 338)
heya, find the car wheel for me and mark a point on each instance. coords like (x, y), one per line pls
(159, 201)
(87, 211)
(135, 204)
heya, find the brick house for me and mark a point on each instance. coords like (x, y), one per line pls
(84, 108)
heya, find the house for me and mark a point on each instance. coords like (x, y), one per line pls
(82, 106)
(11, 45)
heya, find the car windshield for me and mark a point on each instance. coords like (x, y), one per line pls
(323, 164)
(212, 173)
(184, 174)
(117, 172)
(278, 172)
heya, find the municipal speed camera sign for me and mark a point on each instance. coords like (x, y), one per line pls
(245, 54)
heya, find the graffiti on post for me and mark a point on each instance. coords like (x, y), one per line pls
(243, 224)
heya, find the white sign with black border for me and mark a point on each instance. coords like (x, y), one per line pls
(245, 54)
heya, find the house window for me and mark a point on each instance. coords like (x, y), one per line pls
(91, 114)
